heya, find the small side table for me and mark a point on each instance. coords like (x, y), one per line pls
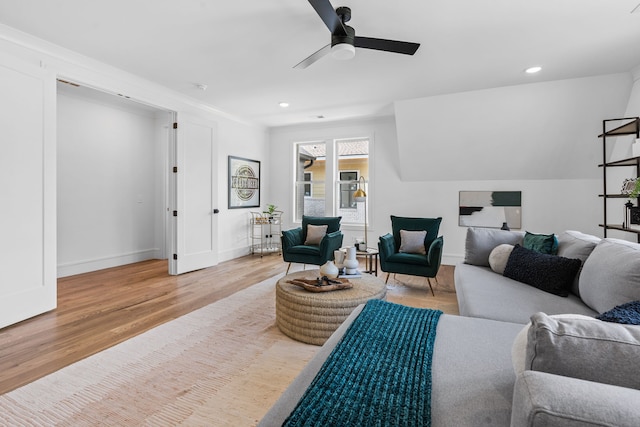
(371, 260)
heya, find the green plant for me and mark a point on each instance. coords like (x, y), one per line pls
(636, 190)
(270, 209)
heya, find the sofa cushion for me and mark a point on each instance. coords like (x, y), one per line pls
(412, 242)
(574, 244)
(403, 258)
(519, 348)
(482, 293)
(628, 314)
(315, 234)
(550, 273)
(305, 250)
(587, 349)
(543, 400)
(611, 275)
(499, 256)
(543, 243)
(481, 241)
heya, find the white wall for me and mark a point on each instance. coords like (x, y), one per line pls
(236, 136)
(109, 194)
(620, 148)
(531, 131)
(248, 142)
(555, 195)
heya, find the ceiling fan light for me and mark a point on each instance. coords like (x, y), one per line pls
(343, 51)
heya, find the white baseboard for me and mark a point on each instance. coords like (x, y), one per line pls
(233, 253)
(85, 266)
(449, 259)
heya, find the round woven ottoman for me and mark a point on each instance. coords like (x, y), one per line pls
(312, 317)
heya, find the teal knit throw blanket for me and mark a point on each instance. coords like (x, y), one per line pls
(379, 374)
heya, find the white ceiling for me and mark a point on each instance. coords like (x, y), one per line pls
(244, 51)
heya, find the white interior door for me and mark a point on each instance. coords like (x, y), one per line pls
(194, 196)
(27, 191)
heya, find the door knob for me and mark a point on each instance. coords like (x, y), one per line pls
(215, 211)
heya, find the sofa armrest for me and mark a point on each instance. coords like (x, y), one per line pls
(291, 237)
(386, 246)
(329, 243)
(542, 399)
(434, 252)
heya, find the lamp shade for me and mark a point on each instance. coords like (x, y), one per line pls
(359, 195)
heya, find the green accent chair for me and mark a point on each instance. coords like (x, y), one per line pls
(414, 264)
(294, 249)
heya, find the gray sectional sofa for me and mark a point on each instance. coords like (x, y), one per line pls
(518, 355)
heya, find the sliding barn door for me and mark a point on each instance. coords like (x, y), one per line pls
(27, 191)
(194, 196)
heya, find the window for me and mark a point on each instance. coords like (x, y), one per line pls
(327, 174)
(307, 187)
(347, 187)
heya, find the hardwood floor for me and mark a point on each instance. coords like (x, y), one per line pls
(100, 309)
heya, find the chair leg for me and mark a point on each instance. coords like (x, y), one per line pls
(288, 267)
(387, 279)
(431, 287)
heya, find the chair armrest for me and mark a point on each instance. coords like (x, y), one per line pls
(291, 237)
(329, 243)
(434, 253)
(542, 399)
(386, 246)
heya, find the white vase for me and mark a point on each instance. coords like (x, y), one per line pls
(329, 269)
(338, 257)
(351, 263)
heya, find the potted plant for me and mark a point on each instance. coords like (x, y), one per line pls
(270, 210)
(636, 190)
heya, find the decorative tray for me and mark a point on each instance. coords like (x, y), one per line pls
(322, 284)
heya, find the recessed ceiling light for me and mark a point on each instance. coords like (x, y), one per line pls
(284, 104)
(532, 70)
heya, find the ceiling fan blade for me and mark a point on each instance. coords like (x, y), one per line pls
(396, 46)
(328, 14)
(314, 57)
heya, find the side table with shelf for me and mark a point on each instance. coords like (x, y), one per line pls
(371, 260)
(266, 230)
(612, 128)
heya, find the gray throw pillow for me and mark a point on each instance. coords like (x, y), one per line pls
(481, 241)
(519, 346)
(611, 275)
(587, 349)
(574, 244)
(412, 242)
(315, 234)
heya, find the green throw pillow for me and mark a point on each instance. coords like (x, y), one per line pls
(543, 243)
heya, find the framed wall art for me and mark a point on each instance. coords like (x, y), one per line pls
(244, 183)
(490, 209)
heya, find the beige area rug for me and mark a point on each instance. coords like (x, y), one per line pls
(222, 365)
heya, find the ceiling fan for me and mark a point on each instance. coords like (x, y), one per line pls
(344, 39)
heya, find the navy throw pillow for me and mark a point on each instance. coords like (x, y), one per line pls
(550, 273)
(628, 313)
